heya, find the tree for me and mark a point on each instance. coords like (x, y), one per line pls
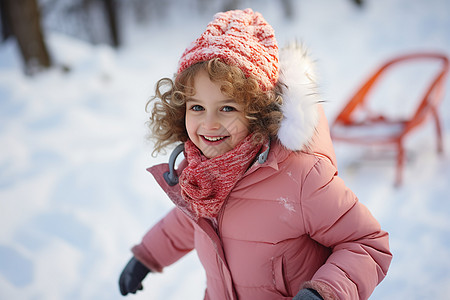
(111, 13)
(21, 20)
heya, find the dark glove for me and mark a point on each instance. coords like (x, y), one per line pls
(307, 294)
(132, 276)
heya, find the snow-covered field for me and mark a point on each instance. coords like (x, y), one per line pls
(74, 193)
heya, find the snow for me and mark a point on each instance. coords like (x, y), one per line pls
(74, 193)
(285, 202)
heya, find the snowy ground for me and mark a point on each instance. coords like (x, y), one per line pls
(74, 193)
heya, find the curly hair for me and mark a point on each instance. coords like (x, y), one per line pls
(167, 120)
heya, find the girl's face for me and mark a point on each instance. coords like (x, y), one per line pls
(214, 122)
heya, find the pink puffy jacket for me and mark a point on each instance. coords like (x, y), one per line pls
(289, 223)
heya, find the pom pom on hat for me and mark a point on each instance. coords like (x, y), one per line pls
(241, 38)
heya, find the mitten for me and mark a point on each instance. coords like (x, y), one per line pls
(307, 294)
(132, 276)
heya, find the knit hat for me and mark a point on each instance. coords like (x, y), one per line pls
(241, 38)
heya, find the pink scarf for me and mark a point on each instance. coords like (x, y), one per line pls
(206, 183)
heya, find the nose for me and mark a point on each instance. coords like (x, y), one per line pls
(211, 121)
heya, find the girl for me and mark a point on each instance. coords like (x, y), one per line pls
(257, 195)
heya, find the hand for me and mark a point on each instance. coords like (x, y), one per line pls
(130, 280)
(307, 294)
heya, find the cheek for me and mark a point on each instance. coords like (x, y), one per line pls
(242, 134)
(239, 128)
(190, 126)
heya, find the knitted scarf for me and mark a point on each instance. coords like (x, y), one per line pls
(205, 183)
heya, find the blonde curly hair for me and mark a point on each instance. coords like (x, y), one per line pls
(167, 119)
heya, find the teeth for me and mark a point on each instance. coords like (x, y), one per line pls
(213, 139)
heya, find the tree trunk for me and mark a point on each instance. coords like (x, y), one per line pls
(111, 14)
(6, 28)
(358, 2)
(24, 21)
(288, 8)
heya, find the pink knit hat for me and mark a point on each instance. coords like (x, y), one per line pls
(241, 38)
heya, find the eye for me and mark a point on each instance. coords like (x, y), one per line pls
(228, 108)
(197, 107)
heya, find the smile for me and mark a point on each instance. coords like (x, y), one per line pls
(214, 138)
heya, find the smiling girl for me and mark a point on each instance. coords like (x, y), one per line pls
(257, 195)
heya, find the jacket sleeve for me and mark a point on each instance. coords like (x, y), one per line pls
(166, 242)
(335, 218)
